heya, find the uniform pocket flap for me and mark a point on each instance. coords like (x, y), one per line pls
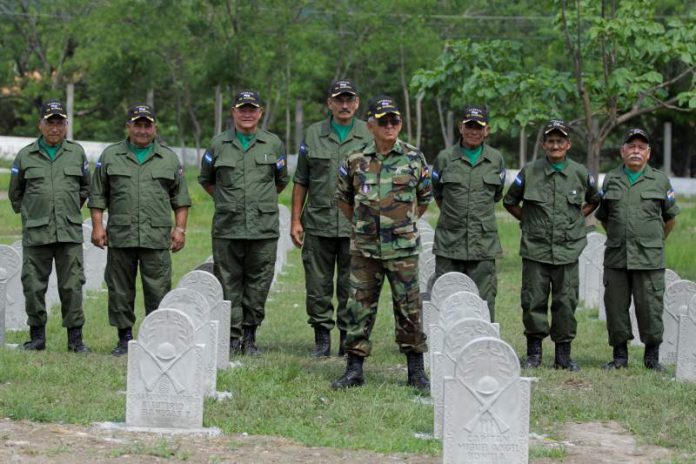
(613, 242)
(575, 199)
(319, 203)
(576, 233)
(404, 196)
(161, 221)
(118, 171)
(407, 229)
(489, 226)
(222, 163)
(73, 171)
(401, 180)
(119, 219)
(75, 218)
(320, 155)
(169, 175)
(492, 178)
(35, 173)
(612, 195)
(268, 207)
(534, 195)
(653, 195)
(264, 158)
(652, 243)
(37, 222)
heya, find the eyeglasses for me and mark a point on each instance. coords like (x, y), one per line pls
(342, 99)
(384, 121)
(56, 122)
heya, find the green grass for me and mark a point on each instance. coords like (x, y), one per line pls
(286, 393)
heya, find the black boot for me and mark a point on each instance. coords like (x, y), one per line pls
(533, 353)
(322, 342)
(416, 373)
(563, 360)
(353, 377)
(75, 343)
(620, 360)
(124, 336)
(651, 358)
(37, 342)
(342, 343)
(249, 341)
(235, 346)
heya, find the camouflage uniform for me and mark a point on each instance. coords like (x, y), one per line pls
(385, 192)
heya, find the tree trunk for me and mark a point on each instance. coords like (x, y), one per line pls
(419, 120)
(407, 103)
(443, 123)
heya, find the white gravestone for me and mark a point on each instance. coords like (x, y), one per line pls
(207, 285)
(594, 240)
(3, 287)
(426, 274)
(194, 305)
(165, 373)
(284, 223)
(449, 283)
(670, 277)
(429, 314)
(686, 344)
(461, 333)
(594, 280)
(676, 302)
(486, 418)
(94, 259)
(15, 316)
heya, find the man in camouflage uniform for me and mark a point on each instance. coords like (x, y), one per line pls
(244, 169)
(48, 186)
(318, 226)
(468, 180)
(384, 188)
(139, 181)
(638, 210)
(556, 194)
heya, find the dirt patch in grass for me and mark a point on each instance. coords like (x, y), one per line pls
(32, 443)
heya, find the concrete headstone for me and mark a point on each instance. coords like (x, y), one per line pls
(686, 347)
(11, 261)
(676, 302)
(449, 283)
(94, 259)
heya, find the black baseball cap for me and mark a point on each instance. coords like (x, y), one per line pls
(53, 108)
(475, 113)
(556, 125)
(247, 97)
(381, 106)
(341, 87)
(139, 111)
(636, 132)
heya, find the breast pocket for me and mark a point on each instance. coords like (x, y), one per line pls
(119, 179)
(265, 167)
(225, 172)
(651, 205)
(165, 179)
(366, 187)
(36, 180)
(321, 167)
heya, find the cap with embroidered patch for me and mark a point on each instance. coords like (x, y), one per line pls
(475, 113)
(636, 132)
(140, 111)
(341, 87)
(247, 97)
(53, 108)
(381, 106)
(556, 125)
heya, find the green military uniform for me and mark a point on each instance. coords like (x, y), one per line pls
(466, 237)
(140, 199)
(327, 230)
(553, 236)
(634, 259)
(385, 191)
(245, 224)
(49, 194)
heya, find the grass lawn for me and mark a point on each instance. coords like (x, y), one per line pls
(287, 393)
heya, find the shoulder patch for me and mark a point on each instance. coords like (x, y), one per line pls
(85, 167)
(519, 180)
(502, 175)
(280, 163)
(435, 175)
(304, 149)
(343, 171)
(14, 170)
(208, 158)
(590, 179)
(671, 195)
(98, 165)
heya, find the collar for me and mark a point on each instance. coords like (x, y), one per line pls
(123, 148)
(371, 148)
(34, 147)
(455, 152)
(231, 135)
(548, 169)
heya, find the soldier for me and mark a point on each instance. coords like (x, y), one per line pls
(139, 181)
(318, 227)
(468, 180)
(244, 170)
(556, 194)
(384, 188)
(49, 184)
(638, 210)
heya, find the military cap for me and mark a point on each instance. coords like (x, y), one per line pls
(247, 97)
(381, 106)
(636, 132)
(139, 111)
(341, 87)
(53, 108)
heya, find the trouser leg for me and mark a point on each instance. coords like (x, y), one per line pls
(617, 299)
(319, 259)
(648, 294)
(228, 256)
(342, 281)
(36, 268)
(121, 269)
(259, 265)
(156, 276)
(536, 284)
(71, 277)
(402, 274)
(564, 301)
(366, 279)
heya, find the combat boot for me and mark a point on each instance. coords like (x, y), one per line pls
(651, 358)
(75, 343)
(322, 342)
(249, 341)
(235, 346)
(533, 353)
(124, 336)
(620, 360)
(353, 377)
(37, 342)
(416, 373)
(562, 358)
(342, 343)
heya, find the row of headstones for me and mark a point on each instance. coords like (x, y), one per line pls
(173, 363)
(15, 316)
(480, 401)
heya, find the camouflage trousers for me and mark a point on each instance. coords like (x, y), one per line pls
(648, 289)
(481, 272)
(561, 282)
(366, 280)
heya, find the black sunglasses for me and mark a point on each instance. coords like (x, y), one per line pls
(383, 121)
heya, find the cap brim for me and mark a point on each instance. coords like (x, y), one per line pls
(637, 136)
(135, 118)
(480, 123)
(240, 104)
(349, 92)
(61, 115)
(547, 132)
(386, 112)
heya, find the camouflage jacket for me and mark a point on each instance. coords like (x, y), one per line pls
(385, 192)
